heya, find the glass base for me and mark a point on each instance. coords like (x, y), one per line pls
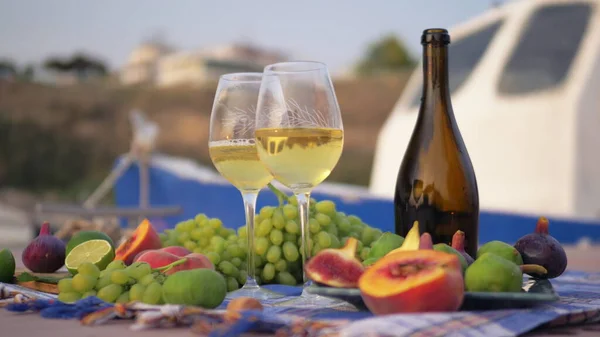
(252, 289)
(308, 300)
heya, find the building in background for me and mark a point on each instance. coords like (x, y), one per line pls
(164, 68)
(141, 68)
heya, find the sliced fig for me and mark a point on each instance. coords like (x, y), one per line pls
(336, 267)
(426, 242)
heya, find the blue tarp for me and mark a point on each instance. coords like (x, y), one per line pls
(225, 202)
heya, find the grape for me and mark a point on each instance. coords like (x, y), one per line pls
(232, 284)
(236, 261)
(69, 297)
(286, 278)
(183, 237)
(82, 283)
(290, 251)
(292, 227)
(268, 272)
(196, 234)
(136, 292)
(243, 232)
(335, 242)
(261, 245)
(258, 261)
(276, 237)
(364, 253)
(119, 277)
(281, 265)
(226, 256)
(110, 293)
(223, 232)
(117, 264)
(290, 212)
(355, 220)
(190, 245)
(185, 226)
(323, 239)
(215, 223)
(242, 277)
(326, 207)
(226, 267)
(343, 226)
(89, 293)
(103, 281)
(313, 226)
(201, 218)
(264, 227)
(88, 269)
(236, 251)
(266, 212)
(213, 257)
(323, 219)
(146, 280)
(123, 298)
(152, 294)
(137, 270)
(198, 250)
(65, 285)
(274, 254)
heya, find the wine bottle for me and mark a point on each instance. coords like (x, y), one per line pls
(436, 183)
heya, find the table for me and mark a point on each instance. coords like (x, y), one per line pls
(30, 325)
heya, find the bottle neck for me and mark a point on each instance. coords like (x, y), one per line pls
(435, 75)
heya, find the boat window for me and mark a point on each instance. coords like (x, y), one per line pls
(463, 55)
(546, 49)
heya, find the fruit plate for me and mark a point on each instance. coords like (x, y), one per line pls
(534, 292)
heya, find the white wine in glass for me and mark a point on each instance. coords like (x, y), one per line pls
(300, 138)
(233, 151)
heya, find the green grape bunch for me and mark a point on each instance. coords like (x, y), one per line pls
(116, 284)
(277, 243)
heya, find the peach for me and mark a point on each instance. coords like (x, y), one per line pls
(143, 238)
(159, 258)
(176, 250)
(193, 261)
(413, 281)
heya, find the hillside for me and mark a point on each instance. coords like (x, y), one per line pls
(66, 139)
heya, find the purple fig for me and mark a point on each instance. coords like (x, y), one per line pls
(542, 249)
(46, 253)
(458, 243)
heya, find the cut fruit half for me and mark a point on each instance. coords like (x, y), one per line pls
(98, 252)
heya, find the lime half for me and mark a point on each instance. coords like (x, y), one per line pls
(98, 252)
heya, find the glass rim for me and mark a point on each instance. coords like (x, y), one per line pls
(316, 66)
(242, 77)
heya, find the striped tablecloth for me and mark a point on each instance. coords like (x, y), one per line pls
(579, 304)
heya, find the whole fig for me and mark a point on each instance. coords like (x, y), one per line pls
(46, 253)
(542, 249)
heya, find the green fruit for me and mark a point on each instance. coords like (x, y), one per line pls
(492, 273)
(385, 244)
(370, 261)
(7, 266)
(501, 249)
(201, 287)
(442, 247)
(97, 252)
(83, 236)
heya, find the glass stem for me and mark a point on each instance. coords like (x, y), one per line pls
(303, 210)
(249, 207)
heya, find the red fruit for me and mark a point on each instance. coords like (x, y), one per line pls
(458, 243)
(46, 253)
(336, 267)
(540, 248)
(193, 261)
(176, 250)
(144, 238)
(426, 242)
(157, 258)
(413, 281)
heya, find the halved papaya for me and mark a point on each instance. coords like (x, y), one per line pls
(143, 238)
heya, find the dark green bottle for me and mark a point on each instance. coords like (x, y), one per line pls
(436, 183)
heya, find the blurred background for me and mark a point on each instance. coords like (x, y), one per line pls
(524, 77)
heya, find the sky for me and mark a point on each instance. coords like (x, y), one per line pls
(335, 32)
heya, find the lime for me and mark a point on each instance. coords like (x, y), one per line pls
(98, 252)
(83, 236)
(7, 266)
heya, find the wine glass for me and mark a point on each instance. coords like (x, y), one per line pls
(300, 137)
(232, 150)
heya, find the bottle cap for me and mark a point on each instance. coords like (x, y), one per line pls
(435, 35)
